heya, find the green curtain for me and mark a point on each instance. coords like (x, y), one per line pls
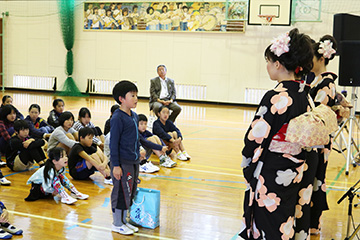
(67, 8)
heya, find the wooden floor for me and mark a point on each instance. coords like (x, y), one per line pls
(200, 199)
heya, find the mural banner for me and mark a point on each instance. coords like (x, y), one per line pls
(161, 16)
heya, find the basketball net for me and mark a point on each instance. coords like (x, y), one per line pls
(266, 20)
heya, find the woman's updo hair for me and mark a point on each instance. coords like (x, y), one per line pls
(299, 58)
(316, 47)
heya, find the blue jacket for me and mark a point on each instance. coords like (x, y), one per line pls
(124, 138)
(162, 130)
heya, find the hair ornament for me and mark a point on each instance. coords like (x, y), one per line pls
(298, 69)
(280, 44)
(325, 48)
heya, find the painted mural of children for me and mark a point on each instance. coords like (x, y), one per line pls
(109, 21)
(118, 15)
(89, 15)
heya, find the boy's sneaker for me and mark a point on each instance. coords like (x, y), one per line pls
(4, 181)
(5, 235)
(135, 229)
(68, 200)
(80, 196)
(108, 181)
(147, 168)
(152, 166)
(124, 230)
(168, 163)
(11, 229)
(186, 155)
(2, 164)
(181, 157)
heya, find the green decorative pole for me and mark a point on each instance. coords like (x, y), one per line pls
(67, 8)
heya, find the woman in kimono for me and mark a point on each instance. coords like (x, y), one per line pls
(322, 91)
(273, 168)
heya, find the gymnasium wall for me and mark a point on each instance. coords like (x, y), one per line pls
(226, 63)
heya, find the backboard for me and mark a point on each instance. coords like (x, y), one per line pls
(281, 9)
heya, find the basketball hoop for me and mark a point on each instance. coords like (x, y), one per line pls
(266, 19)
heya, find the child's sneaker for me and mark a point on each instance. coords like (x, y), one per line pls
(108, 181)
(4, 181)
(181, 157)
(5, 235)
(143, 168)
(11, 229)
(79, 195)
(168, 163)
(68, 200)
(124, 230)
(135, 229)
(2, 164)
(153, 167)
(186, 155)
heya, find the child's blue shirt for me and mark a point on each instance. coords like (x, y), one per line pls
(124, 138)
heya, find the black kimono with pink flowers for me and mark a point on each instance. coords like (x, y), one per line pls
(273, 168)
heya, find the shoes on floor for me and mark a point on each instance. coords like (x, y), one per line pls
(4, 181)
(132, 227)
(148, 168)
(80, 196)
(168, 163)
(68, 200)
(181, 157)
(124, 230)
(5, 235)
(7, 227)
(108, 181)
(186, 155)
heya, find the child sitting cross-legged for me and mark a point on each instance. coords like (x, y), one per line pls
(22, 150)
(169, 133)
(50, 180)
(85, 157)
(152, 143)
(6, 229)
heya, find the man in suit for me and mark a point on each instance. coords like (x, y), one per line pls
(162, 92)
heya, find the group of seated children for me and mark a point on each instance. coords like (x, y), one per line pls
(23, 142)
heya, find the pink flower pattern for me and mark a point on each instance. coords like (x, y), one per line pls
(280, 102)
(259, 130)
(287, 229)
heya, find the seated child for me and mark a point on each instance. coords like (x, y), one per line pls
(38, 122)
(7, 230)
(84, 121)
(22, 150)
(64, 135)
(107, 123)
(50, 180)
(7, 100)
(54, 114)
(169, 133)
(85, 157)
(7, 119)
(152, 143)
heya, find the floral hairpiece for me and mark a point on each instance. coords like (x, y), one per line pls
(325, 48)
(280, 44)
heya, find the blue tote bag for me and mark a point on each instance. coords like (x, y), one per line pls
(145, 210)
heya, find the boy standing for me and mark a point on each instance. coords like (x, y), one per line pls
(22, 150)
(124, 155)
(85, 157)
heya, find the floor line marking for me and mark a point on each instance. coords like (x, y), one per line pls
(336, 178)
(84, 225)
(204, 171)
(106, 202)
(229, 169)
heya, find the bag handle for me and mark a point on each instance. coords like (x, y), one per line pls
(137, 204)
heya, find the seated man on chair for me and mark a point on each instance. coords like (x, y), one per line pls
(162, 92)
